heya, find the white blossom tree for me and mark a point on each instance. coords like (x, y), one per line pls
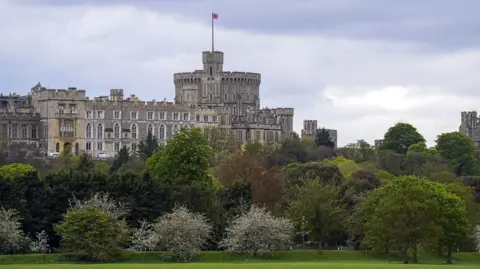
(257, 232)
(11, 234)
(103, 202)
(40, 245)
(183, 233)
(144, 237)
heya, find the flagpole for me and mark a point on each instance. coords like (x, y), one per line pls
(213, 36)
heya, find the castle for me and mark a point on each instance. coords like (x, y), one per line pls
(54, 120)
(310, 130)
(469, 126)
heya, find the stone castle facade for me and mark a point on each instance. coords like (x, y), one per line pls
(310, 130)
(470, 126)
(210, 97)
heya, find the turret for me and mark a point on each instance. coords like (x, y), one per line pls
(212, 62)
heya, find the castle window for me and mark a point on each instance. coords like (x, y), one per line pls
(234, 110)
(133, 146)
(225, 88)
(117, 131)
(175, 115)
(150, 129)
(205, 118)
(100, 114)
(276, 137)
(133, 115)
(214, 118)
(88, 114)
(257, 135)
(211, 97)
(240, 136)
(162, 115)
(198, 117)
(134, 131)
(117, 146)
(57, 147)
(33, 133)
(211, 70)
(116, 115)
(88, 146)
(225, 98)
(100, 131)
(186, 116)
(162, 132)
(149, 115)
(88, 131)
(99, 145)
(24, 131)
(234, 97)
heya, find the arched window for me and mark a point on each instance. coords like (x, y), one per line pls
(134, 131)
(175, 129)
(100, 131)
(150, 129)
(162, 132)
(57, 147)
(234, 110)
(117, 131)
(88, 131)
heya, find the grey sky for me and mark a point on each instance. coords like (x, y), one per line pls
(357, 66)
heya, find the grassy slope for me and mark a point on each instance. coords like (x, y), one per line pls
(289, 259)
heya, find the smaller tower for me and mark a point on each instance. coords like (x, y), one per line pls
(212, 62)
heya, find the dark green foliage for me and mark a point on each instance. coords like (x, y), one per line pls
(400, 137)
(121, 159)
(148, 146)
(323, 139)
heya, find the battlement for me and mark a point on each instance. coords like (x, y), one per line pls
(137, 103)
(59, 94)
(283, 111)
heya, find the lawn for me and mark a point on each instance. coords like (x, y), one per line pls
(316, 265)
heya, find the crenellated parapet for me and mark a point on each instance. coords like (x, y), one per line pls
(241, 78)
(187, 77)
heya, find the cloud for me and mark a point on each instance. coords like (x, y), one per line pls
(360, 84)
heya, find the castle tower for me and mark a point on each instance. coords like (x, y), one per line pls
(212, 62)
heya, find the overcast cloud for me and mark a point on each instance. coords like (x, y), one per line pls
(358, 66)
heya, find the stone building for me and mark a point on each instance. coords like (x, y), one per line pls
(469, 126)
(62, 119)
(18, 123)
(310, 130)
(232, 101)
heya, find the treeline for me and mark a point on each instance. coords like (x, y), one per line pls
(401, 197)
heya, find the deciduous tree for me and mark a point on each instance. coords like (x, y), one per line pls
(11, 234)
(458, 150)
(144, 237)
(183, 233)
(257, 232)
(400, 137)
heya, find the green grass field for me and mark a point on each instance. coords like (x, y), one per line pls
(217, 260)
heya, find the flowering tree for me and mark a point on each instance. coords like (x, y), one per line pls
(144, 237)
(183, 233)
(41, 244)
(11, 234)
(103, 202)
(257, 232)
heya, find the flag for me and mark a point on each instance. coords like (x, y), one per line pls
(214, 16)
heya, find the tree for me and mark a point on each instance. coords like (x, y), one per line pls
(185, 160)
(476, 235)
(123, 156)
(257, 232)
(148, 146)
(360, 151)
(458, 150)
(323, 138)
(91, 234)
(400, 137)
(40, 245)
(16, 169)
(409, 212)
(144, 237)
(320, 206)
(102, 202)
(183, 233)
(85, 163)
(11, 234)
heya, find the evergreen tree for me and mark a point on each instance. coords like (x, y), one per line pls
(323, 139)
(148, 146)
